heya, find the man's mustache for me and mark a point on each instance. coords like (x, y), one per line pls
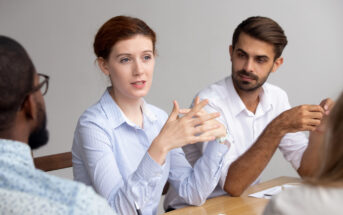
(248, 74)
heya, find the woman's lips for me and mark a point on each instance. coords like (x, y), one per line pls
(138, 84)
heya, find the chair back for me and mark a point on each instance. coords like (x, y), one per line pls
(54, 162)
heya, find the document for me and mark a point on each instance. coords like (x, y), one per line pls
(270, 192)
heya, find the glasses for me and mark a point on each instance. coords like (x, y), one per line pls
(42, 86)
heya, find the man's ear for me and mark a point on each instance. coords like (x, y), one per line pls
(102, 63)
(230, 52)
(278, 62)
(30, 107)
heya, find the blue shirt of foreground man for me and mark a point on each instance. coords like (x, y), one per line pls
(24, 189)
(257, 114)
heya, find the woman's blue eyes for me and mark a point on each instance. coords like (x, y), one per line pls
(126, 60)
(147, 57)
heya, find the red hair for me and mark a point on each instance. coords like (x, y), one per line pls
(120, 28)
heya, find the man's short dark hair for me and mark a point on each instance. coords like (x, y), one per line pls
(264, 29)
(16, 79)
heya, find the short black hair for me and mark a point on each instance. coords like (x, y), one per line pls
(16, 79)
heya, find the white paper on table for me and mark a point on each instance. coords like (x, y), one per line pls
(270, 192)
(267, 193)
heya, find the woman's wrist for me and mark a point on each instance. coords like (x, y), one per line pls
(158, 151)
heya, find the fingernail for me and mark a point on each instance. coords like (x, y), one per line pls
(326, 107)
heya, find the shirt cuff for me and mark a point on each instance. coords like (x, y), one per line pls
(148, 168)
(216, 151)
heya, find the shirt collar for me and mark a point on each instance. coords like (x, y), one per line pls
(238, 106)
(16, 151)
(265, 100)
(151, 116)
(117, 116)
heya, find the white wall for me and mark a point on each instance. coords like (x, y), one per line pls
(193, 40)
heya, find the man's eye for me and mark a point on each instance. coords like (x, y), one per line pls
(261, 60)
(240, 55)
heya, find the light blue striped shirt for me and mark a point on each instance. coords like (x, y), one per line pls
(110, 153)
(26, 190)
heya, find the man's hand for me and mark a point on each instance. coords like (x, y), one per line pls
(300, 118)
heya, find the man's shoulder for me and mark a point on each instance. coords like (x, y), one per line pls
(56, 187)
(37, 192)
(274, 90)
(217, 90)
(73, 195)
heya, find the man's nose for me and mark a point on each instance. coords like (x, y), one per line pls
(249, 65)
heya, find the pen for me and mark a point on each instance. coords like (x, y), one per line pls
(139, 212)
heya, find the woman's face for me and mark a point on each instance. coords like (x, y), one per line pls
(130, 66)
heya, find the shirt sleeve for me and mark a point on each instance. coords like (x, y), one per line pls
(195, 184)
(95, 148)
(195, 151)
(88, 202)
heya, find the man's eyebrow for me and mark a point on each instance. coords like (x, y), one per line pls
(241, 50)
(262, 56)
(257, 56)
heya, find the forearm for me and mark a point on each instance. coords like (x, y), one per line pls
(195, 184)
(310, 161)
(141, 187)
(249, 166)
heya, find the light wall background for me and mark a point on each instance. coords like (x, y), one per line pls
(193, 40)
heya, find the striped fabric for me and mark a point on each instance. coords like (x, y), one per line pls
(110, 154)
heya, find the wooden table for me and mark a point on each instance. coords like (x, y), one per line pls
(243, 205)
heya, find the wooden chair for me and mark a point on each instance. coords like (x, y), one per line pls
(54, 162)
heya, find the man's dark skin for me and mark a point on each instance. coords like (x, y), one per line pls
(29, 119)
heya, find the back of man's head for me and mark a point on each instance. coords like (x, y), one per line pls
(264, 29)
(16, 79)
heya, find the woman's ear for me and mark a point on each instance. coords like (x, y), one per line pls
(102, 63)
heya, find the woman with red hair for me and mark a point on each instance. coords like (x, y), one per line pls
(126, 148)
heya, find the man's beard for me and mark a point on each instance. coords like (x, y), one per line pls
(40, 135)
(245, 85)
